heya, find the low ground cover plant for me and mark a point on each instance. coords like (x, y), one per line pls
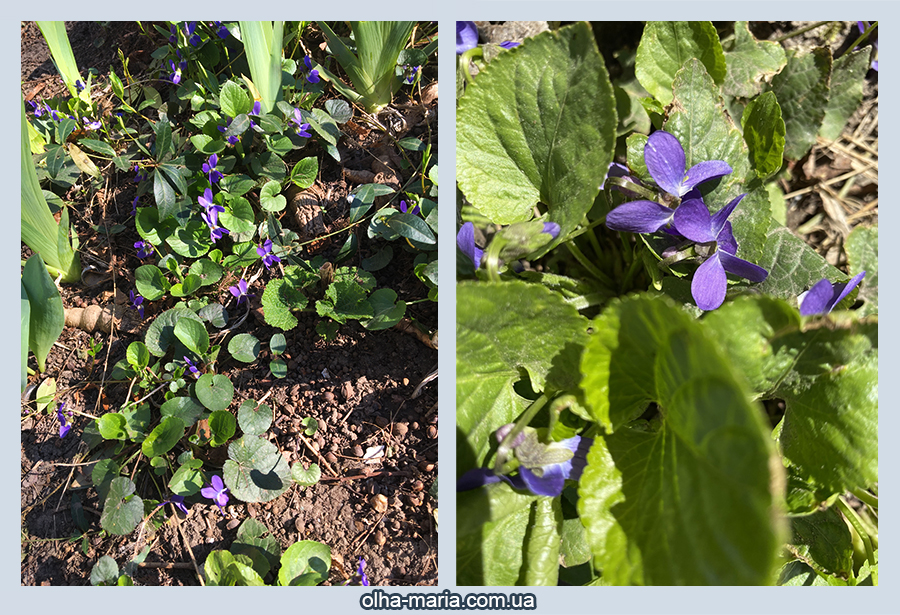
(667, 369)
(225, 148)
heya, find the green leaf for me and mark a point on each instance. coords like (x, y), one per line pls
(239, 218)
(491, 526)
(163, 138)
(138, 355)
(46, 314)
(764, 134)
(223, 426)
(206, 144)
(122, 511)
(150, 228)
(256, 471)
(102, 476)
(306, 562)
(387, 310)
(862, 252)
(101, 147)
(845, 92)
(278, 299)
(188, 409)
(364, 198)
(24, 320)
(193, 335)
(305, 172)
(503, 331)
(233, 99)
(163, 194)
(192, 241)
(254, 418)
(112, 426)
(105, 571)
(214, 391)
(305, 477)
(207, 271)
(412, 227)
(161, 333)
(223, 569)
(188, 478)
(264, 551)
(823, 540)
(236, 185)
(709, 456)
(546, 142)
(278, 368)
(750, 63)
(244, 347)
(344, 300)
(666, 45)
(137, 420)
(802, 91)
(793, 266)
(270, 198)
(836, 418)
(151, 282)
(379, 260)
(269, 165)
(214, 314)
(277, 343)
(339, 109)
(163, 437)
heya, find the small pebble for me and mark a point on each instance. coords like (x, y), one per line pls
(418, 485)
(322, 425)
(425, 466)
(432, 432)
(406, 382)
(331, 458)
(329, 396)
(379, 538)
(379, 503)
(381, 421)
(400, 429)
(358, 451)
(233, 524)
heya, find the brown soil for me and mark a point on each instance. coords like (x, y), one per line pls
(358, 386)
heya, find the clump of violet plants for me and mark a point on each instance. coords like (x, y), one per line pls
(658, 382)
(215, 150)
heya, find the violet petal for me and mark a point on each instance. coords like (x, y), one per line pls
(692, 220)
(664, 157)
(639, 217)
(816, 299)
(745, 269)
(718, 219)
(705, 171)
(466, 36)
(709, 283)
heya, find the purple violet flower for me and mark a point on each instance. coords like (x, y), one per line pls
(136, 301)
(693, 220)
(91, 125)
(265, 251)
(134, 205)
(175, 76)
(466, 36)
(138, 177)
(548, 480)
(465, 241)
(824, 295)
(64, 426)
(240, 291)
(206, 201)
(509, 44)
(195, 38)
(177, 501)
(404, 207)
(221, 30)
(209, 168)
(312, 75)
(666, 163)
(233, 139)
(211, 218)
(217, 492)
(361, 569)
(302, 127)
(192, 367)
(144, 248)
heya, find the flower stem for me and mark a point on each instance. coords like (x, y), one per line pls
(506, 444)
(587, 264)
(857, 524)
(866, 497)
